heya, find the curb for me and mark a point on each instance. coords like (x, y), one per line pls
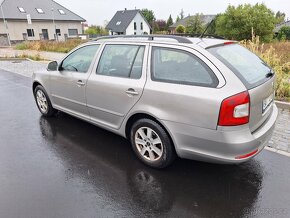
(283, 105)
(274, 150)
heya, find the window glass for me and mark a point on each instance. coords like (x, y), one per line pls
(30, 32)
(22, 10)
(73, 32)
(176, 66)
(40, 11)
(246, 65)
(80, 60)
(121, 61)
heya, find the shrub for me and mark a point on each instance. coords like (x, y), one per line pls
(284, 33)
(180, 29)
(279, 64)
(52, 46)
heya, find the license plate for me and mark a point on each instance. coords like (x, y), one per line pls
(267, 102)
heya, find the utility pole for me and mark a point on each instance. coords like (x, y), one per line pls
(5, 24)
(53, 22)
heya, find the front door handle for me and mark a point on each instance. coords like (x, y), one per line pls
(80, 83)
(132, 92)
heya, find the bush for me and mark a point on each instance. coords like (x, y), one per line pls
(180, 29)
(284, 33)
(280, 64)
(239, 22)
(52, 46)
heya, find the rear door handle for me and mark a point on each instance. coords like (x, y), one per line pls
(132, 92)
(80, 83)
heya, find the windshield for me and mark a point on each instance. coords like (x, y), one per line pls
(252, 70)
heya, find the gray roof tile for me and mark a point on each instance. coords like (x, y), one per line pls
(11, 11)
(121, 20)
(205, 19)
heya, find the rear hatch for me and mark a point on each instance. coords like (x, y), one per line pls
(255, 74)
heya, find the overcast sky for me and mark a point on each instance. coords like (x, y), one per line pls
(97, 11)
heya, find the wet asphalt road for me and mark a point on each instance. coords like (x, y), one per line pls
(64, 167)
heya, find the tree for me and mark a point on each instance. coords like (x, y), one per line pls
(238, 22)
(194, 25)
(169, 22)
(149, 16)
(96, 30)
(177, 19)
(280, 17)
(161, 25)
(181, 14)
(180, 29)
(284, 33)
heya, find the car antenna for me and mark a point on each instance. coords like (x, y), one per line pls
(212, 21)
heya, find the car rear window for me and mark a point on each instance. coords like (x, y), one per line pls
(251, 69)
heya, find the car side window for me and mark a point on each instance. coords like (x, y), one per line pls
(122, 61)
(80, 60)
(181, 67)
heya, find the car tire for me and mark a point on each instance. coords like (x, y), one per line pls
(43, 102)
(152, 144)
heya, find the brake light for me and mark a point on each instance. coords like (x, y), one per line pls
(229, 43)
(235, 110)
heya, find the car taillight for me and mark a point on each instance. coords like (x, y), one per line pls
(235, 110)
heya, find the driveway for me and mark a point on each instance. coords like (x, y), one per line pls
(64, 167)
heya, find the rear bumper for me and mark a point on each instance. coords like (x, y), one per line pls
(221, 145)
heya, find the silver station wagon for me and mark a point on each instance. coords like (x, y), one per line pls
(205, 99)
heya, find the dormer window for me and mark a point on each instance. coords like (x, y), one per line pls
(21, 10)
(39, 10)
(61, 11)
(118, 23)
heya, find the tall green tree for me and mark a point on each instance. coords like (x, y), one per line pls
(149, 16)
(239, 22)
(169, 22)
(177, 19)
(181, 14)
(194, 25)
(280, 17)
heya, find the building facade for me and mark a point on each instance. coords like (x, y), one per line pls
(38, 20)
(128, 22)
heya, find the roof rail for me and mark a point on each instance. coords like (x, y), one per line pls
(198, 36)
(179, 39)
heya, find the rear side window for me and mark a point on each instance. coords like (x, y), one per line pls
(181, 67)
(122, 61)
(246, 65)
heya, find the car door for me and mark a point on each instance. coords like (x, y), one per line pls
(68, 83)
(117, 83)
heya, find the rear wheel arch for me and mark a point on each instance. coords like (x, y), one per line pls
(135, 117)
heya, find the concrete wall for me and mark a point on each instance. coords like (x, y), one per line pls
(17, 28)
(138, 19)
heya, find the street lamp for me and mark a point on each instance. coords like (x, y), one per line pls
(5, 24)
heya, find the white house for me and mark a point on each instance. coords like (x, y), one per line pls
(37, 20)
(128, 22)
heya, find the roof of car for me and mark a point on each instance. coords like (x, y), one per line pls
(202, 42)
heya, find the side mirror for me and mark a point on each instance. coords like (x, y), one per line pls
(52, 66)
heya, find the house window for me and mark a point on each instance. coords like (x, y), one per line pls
(72, 32)
(30, 32)
(135, 26)
(141, 25)
(21, 9)
(135, 33)
(39, 10)
(61, 11)
(57, 31)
